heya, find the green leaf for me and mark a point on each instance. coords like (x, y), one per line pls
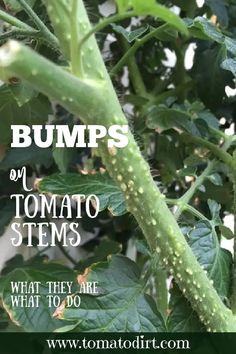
(34, 112)
(169, 152)
(218, 8)
(185, 5)
(226, 232)
(221, 194)
(130, 36)
(142, 247)
(209, 118)
(63, 157)
(166, 118)
(211, 85)
(216, 179)
(7, 213)
(69, 328)
(151, 8)
(35, 319)
(11, 113)
(168, 34)
(22, 93)
(230, 65)
(17, 157)
(13, 5)
(105, 248)
(203, 29)
(215, 260)
(122, 305)
(17, 261)
(202, 188)
(215, 211)
(182, 317)
(100, 184)
(187, 171)
(193, 161)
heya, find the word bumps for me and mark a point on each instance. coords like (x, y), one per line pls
(64, 136)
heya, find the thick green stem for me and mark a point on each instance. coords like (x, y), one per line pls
(76, 62)
(63, 88)
(97, 104)
(132, 50)
(88, 56)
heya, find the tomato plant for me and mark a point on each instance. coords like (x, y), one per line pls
(166, 193)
